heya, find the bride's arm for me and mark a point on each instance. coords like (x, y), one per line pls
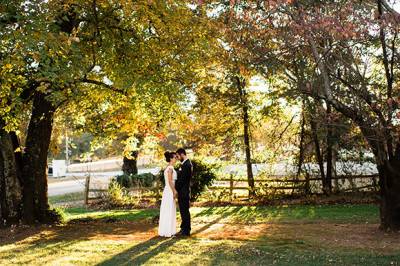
(171, 182)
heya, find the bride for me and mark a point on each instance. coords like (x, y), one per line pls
(167, 224)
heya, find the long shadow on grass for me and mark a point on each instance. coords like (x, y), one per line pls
(144, 251)
(10, 235)
(46, 240)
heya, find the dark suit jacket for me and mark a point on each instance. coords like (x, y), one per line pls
(182, 184)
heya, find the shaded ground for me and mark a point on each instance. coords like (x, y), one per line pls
(309, 235)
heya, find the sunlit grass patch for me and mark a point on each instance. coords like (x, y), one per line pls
(129, 215)
(255, 214)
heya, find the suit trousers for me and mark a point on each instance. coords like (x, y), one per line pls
(184, 204)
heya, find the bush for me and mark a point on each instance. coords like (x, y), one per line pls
(119, 192)
(124, 181)
(54, 216)
(143, 180)
(138, 180)
(203, 176)
(117, 196)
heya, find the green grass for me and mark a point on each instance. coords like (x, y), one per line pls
(332, 213)
(131, 240)
(123, 215)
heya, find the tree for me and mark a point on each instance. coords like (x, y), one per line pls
(54, 54)
(221, 107)
(244, 105)
(355, 65)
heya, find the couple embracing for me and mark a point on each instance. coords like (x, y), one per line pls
(177, 185)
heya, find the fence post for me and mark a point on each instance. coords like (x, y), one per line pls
(87, 183)
(231, 187)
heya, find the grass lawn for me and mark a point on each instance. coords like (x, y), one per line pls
(295, 235)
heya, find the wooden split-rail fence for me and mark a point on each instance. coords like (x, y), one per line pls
(274, 184)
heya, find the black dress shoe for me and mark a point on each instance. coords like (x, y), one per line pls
(182, 234)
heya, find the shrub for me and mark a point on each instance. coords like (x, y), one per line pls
(143, 180)
(203, 176)
(138, 180)
(124, 181)
(117, 196)
(55, 216)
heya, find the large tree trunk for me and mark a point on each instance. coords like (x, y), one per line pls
(389, 182)
(389, 178)
(34, 171)
(129, 166)
(10, 187)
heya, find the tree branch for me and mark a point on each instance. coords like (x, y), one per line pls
(389, 8)
(102, 84)
(365, 96)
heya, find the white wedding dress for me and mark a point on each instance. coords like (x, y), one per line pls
(167, 223)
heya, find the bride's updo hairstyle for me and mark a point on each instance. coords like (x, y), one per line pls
(169, 155)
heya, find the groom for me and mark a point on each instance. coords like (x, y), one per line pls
(182, 185)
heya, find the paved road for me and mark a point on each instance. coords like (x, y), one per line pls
(76, 181)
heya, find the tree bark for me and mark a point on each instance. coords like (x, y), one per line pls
(246, 135)
(301, 151)
(389, 78)
(250, 176)
(318, 153)
(34, 170)
(129, 166)
(329, 151)
(301, 144)
(389, 183)
(10, 187)
(336, 187)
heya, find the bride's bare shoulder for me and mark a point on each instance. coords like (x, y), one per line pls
(169, 168)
